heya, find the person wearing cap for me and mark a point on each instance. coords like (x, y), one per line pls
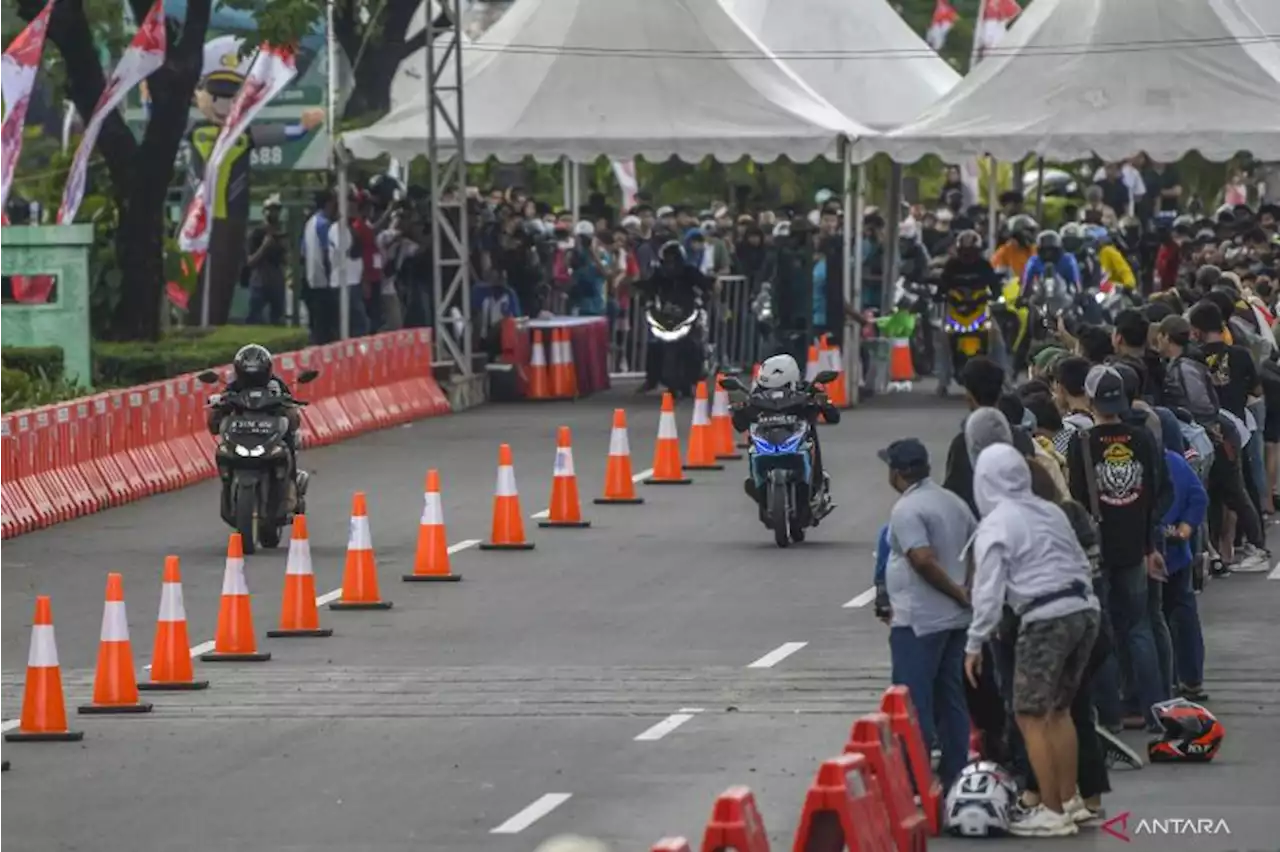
(929, 605)
(1115, 471)
(268, 256)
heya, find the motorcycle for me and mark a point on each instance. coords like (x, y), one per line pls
(967, 321)
(780, 461)
(255, 462)
(682, 333)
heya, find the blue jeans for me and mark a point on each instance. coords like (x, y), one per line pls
(1184, 621)
(1136, 649)
(932, 667)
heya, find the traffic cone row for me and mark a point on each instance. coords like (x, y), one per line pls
(553, 377)
(116, 689)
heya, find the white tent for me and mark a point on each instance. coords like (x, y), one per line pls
(409, 84)
(622, 78)
(1076, 78)
(858, 54)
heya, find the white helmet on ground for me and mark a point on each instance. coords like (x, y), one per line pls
(980, 801)
(781, 372)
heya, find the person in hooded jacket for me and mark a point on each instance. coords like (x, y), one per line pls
(1026, 556)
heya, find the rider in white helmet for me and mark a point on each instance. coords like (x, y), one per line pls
(780, 374)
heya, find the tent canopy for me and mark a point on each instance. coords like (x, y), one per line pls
(623, 78)
(1075, 78)
(858, 54)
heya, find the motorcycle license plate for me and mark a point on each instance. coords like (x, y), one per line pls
(970, 345)
(252, 427)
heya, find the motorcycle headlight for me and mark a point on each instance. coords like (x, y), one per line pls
(762, 445)
(653, 324)
(792, 443)
(257, 451)
(242, 450)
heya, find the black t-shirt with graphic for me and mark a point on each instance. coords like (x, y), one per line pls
(1126, 469)
(1233, 374)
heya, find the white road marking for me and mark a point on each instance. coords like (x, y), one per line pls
(10, 725)
(667, 725)
(777, 655)
(532, 814)
(1275, 572)
(643, 475)
(861, 600)
(206, 647)
(545, 513)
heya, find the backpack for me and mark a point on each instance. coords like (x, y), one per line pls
(1199, 452)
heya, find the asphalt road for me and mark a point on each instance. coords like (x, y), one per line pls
(610, 683)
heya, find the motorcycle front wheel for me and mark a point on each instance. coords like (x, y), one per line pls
(778, 518)
(246, 505)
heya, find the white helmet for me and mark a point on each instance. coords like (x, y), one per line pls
(980, 801)
(584, 229)
(781, 372)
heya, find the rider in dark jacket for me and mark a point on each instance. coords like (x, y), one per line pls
(676, 282)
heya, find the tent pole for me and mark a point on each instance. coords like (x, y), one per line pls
(854, 367)
(1040, 190)
(849, 346)
(893, 224)
(993, 193)
(339, 271)
(566, 183)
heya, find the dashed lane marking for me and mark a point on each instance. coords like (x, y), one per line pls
(1275, 572)
(667, 725)
(777, 655)
(861, 600)
(536, 811)
(10, 725)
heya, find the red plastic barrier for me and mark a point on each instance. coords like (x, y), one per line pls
(896, 704)
(75, 458)
(844, 810)
(735, 824)
(872, 737)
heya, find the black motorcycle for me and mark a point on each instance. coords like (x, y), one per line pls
(256, 459)
(682, 334)
(780, 461)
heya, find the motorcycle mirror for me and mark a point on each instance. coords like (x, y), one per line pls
(825, 376)
(208, 377)
(732, 383)
(308, 376)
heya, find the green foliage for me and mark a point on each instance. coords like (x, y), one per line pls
(184, 351)
(34, 360)
(29, 390)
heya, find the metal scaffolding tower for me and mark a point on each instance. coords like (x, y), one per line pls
(446, 156)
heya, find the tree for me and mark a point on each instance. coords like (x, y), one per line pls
(376, 47)
(141, 170)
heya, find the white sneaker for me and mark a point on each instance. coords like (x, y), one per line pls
(1252, 561)
(1078, 811)
(1042, 822)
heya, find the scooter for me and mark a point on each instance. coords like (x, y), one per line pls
(255, 460)
(682, 333)
(780, 461)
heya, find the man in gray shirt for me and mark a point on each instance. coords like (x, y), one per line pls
(928, 529)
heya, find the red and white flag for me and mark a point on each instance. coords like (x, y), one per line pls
(996, 17)
(944, 18)
(272, 69)
(625, 172)
(18, 70)
(144, 55)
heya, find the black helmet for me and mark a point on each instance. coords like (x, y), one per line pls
(671, 253)
(253, 365)
(1023, 229)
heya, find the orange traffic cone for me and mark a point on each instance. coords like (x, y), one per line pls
(619, 487)
(234, 642)
(298, 613)
(901, 369)
(44, 716)
(115, 686)
(508, 521)
(722, 424)
(538, 379)
(566, 358)
(562, 379)
(170, 659)
(668, 469)
(814, 365)
(837, 392)
(702, 452)
(565, 511)
(431, 560)
(360, 577)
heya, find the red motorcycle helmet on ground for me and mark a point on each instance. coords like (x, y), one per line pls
(1191, 733)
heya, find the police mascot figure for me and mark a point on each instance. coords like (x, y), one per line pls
(223, 72)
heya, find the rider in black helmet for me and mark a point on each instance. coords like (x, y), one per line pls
(674, 281)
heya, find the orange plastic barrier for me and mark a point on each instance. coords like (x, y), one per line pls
(872, 737)
(735, 824)
(896, 704)
(843, 810)
(62, 461)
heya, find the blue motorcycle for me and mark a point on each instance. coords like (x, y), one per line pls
(780, 461)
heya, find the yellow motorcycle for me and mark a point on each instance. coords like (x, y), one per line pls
(967, 322)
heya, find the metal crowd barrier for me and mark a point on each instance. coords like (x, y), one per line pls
(731, 330)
